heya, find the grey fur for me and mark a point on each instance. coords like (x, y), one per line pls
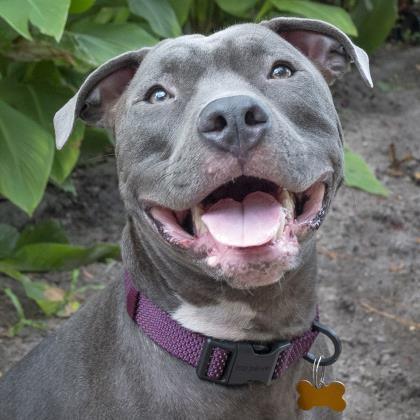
(98, 365)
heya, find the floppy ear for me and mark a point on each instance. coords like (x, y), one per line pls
(94, 101)
(329, 49)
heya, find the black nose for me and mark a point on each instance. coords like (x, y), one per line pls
(234, 123)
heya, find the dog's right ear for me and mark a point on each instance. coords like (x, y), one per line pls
(329, 48)
(94, 101)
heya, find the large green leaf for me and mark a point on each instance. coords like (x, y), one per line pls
(236, 8)
(45, 231)
(314, 10)
(96, 143)
(49, 298)
(26, 155)
(54, 256)
(96, 43)
(7, 35)
(40, 101)
(66, 158)
(181, 9)
(8, 238)
(159, 14)
(80, 6)
(49, 16)
(374, 20)
(358, 174)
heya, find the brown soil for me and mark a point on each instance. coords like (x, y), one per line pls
(369, 263)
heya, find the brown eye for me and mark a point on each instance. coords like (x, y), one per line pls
(280, 71)
(158, 95)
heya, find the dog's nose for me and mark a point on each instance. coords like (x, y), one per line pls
(235, 123)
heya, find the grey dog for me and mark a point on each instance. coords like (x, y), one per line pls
(229, 152)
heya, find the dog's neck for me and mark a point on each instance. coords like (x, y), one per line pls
(203, 304)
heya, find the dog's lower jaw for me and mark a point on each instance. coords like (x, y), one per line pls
(203, 304)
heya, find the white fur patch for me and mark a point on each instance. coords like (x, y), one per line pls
(226, 320)
(362, 63)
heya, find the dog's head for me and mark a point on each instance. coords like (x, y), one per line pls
(229, 148)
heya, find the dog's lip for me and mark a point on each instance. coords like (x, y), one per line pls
(325, 178)
(170, 226)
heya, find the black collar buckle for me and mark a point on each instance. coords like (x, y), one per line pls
(247, 362)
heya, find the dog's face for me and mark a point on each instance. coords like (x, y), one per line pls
(229, 148)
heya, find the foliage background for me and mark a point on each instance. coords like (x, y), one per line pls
(47, 47)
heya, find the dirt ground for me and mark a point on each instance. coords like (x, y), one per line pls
(369, 265)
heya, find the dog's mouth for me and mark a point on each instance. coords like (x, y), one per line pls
(245, 212)
(248, 220)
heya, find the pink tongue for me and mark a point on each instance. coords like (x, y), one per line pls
(253, 222)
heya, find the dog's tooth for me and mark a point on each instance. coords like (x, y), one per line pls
(280, 230)
(286, 200)
(199, 227)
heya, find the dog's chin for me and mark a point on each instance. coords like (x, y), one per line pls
(252, 268)
(248, 231)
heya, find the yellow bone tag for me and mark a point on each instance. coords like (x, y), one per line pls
(330, 395)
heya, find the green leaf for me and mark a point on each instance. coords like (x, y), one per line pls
(48, 15)
(265, 8)
(374, 20)
(314, 10)
(95, 144)
(66, 186)
(45, 74)
(16, 303)
(357, 174)
(40, 101)
(26, 154)
(159, 14)
(45, 231)
(80, 6)
(69, 309)
(66, 158)
(7, 35)
(96, 43)
(181, 9)
(8, 238)
(236, 8)
(50, 299)
(53, 256)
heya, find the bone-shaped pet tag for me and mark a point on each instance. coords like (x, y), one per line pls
(328, 395)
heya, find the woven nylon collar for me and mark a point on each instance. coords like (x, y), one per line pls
(220, 361)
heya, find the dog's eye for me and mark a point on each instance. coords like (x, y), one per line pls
(280, 71)
(157, 95)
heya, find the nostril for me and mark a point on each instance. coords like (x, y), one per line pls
(219, 123)
(213, 123)
(250, 118)
(255, 116)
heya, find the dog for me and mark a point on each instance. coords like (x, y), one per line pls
(229, 151)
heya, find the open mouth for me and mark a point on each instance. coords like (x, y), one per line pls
(244, 214)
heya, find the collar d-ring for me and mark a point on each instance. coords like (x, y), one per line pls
(325, 361)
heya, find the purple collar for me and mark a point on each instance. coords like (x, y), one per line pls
(220, 361)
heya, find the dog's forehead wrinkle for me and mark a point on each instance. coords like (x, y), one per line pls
(232, 44)
(182, 56)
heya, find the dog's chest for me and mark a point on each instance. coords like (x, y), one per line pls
(166, 388)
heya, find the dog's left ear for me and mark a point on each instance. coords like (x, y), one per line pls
(329, 49)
